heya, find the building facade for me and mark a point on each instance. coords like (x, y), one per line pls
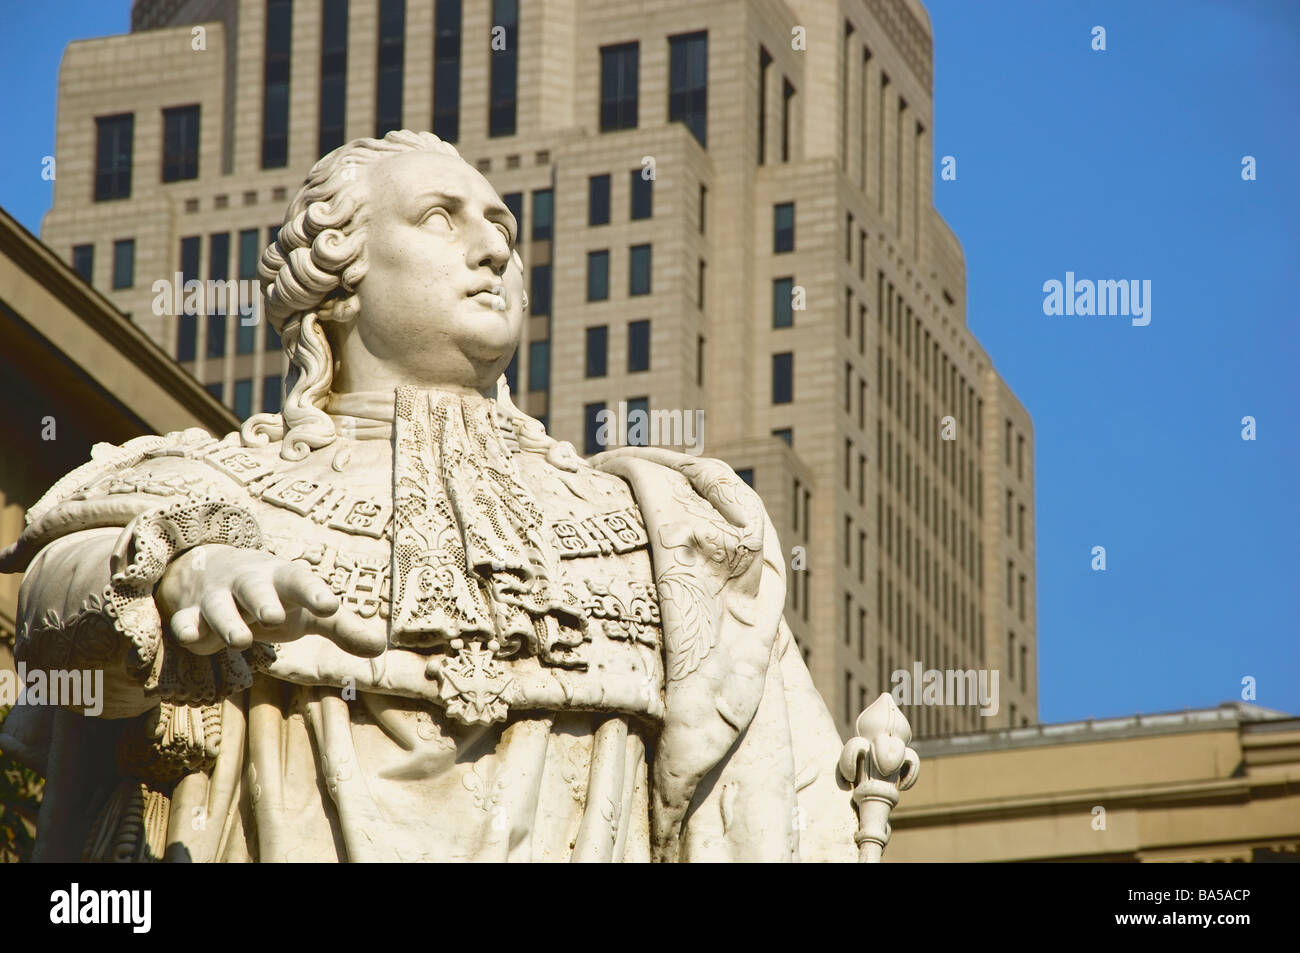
(725, 208)
(1204, 785)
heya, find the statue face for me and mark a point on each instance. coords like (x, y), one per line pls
(439, 304)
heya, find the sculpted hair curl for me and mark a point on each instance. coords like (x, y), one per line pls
(313, 266)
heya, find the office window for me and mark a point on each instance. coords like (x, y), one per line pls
(747, 475)
(515, 202)
(249, 252)
(334, 74)
(764, 61)
(700, 271)
(271, 394)
(505, 67)
(271, 340)
(114, 137)
(1024, 664)
(216, 335)
(446, 70)
(782, 309)
(638, 278)
(642, 195)
(187, 331)
(598, 200)
(1020, 526)
(597, 350)
(786, 434)
(243, 403)
(390, 63)
(539, 295)
(787, 94)
(704, 204)
(1020, 458)
(688, 83)
(180, 143)
(539, 366)
(245, 337)
(592, 419)
(543, 214)
(190, 251)
(783, 227)
(783, 378)
(512, 372)
(618, 86)
(275, 84)
(638, 422)
(638, 346)
(123, 263)
(217, 390)
(598, 275)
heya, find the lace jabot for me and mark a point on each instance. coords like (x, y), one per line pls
(471, 559)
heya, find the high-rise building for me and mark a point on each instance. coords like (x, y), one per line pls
(724, 207)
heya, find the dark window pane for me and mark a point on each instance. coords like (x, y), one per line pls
(271, 394)
(504, 68)
(446, 70)
(180, 143)
(190, 249)
(597, 275)
(618, 86)
(512, 373)
(539, 297)
(638, 422)
(249, 253)
(515, 202)
(243, 397)
(272, 341)
(593, 418)
(786, 434)
(747, 475)
(219, 256)
(782, 312)
(186, 337)
(539, 366)
(782, 378)
(391, 60)
(333, 74)
(597, 350)
(114, 137)
(245, 337)
(688, 83)
(638, 346)
(598, 200)
(123, 263)
(783, 227)
(217, 390)
(275, 84)
(216, 335)
(642, 195)
(764, 61)
(639, 270)
(83, 261)
(543, 214)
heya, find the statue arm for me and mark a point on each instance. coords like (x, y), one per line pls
(63, 623)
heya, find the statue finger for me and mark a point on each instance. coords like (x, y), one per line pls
(297, 585)
(221, 613)
(351, 633)
(255, 593)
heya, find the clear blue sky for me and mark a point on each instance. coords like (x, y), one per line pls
(1117, 164)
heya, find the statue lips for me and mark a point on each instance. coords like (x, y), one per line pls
(492, 296)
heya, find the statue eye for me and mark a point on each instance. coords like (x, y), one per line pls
(510, 239)
(437, 212)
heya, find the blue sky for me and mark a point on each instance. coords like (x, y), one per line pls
(1117, 164)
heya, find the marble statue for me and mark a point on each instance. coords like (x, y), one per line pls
(398, 621)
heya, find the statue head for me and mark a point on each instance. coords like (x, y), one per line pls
(395, 264)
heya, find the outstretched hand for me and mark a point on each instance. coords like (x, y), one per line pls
(216, 596)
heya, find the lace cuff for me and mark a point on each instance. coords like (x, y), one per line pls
(146, 547)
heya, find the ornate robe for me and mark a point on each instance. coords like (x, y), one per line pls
(585, 661)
